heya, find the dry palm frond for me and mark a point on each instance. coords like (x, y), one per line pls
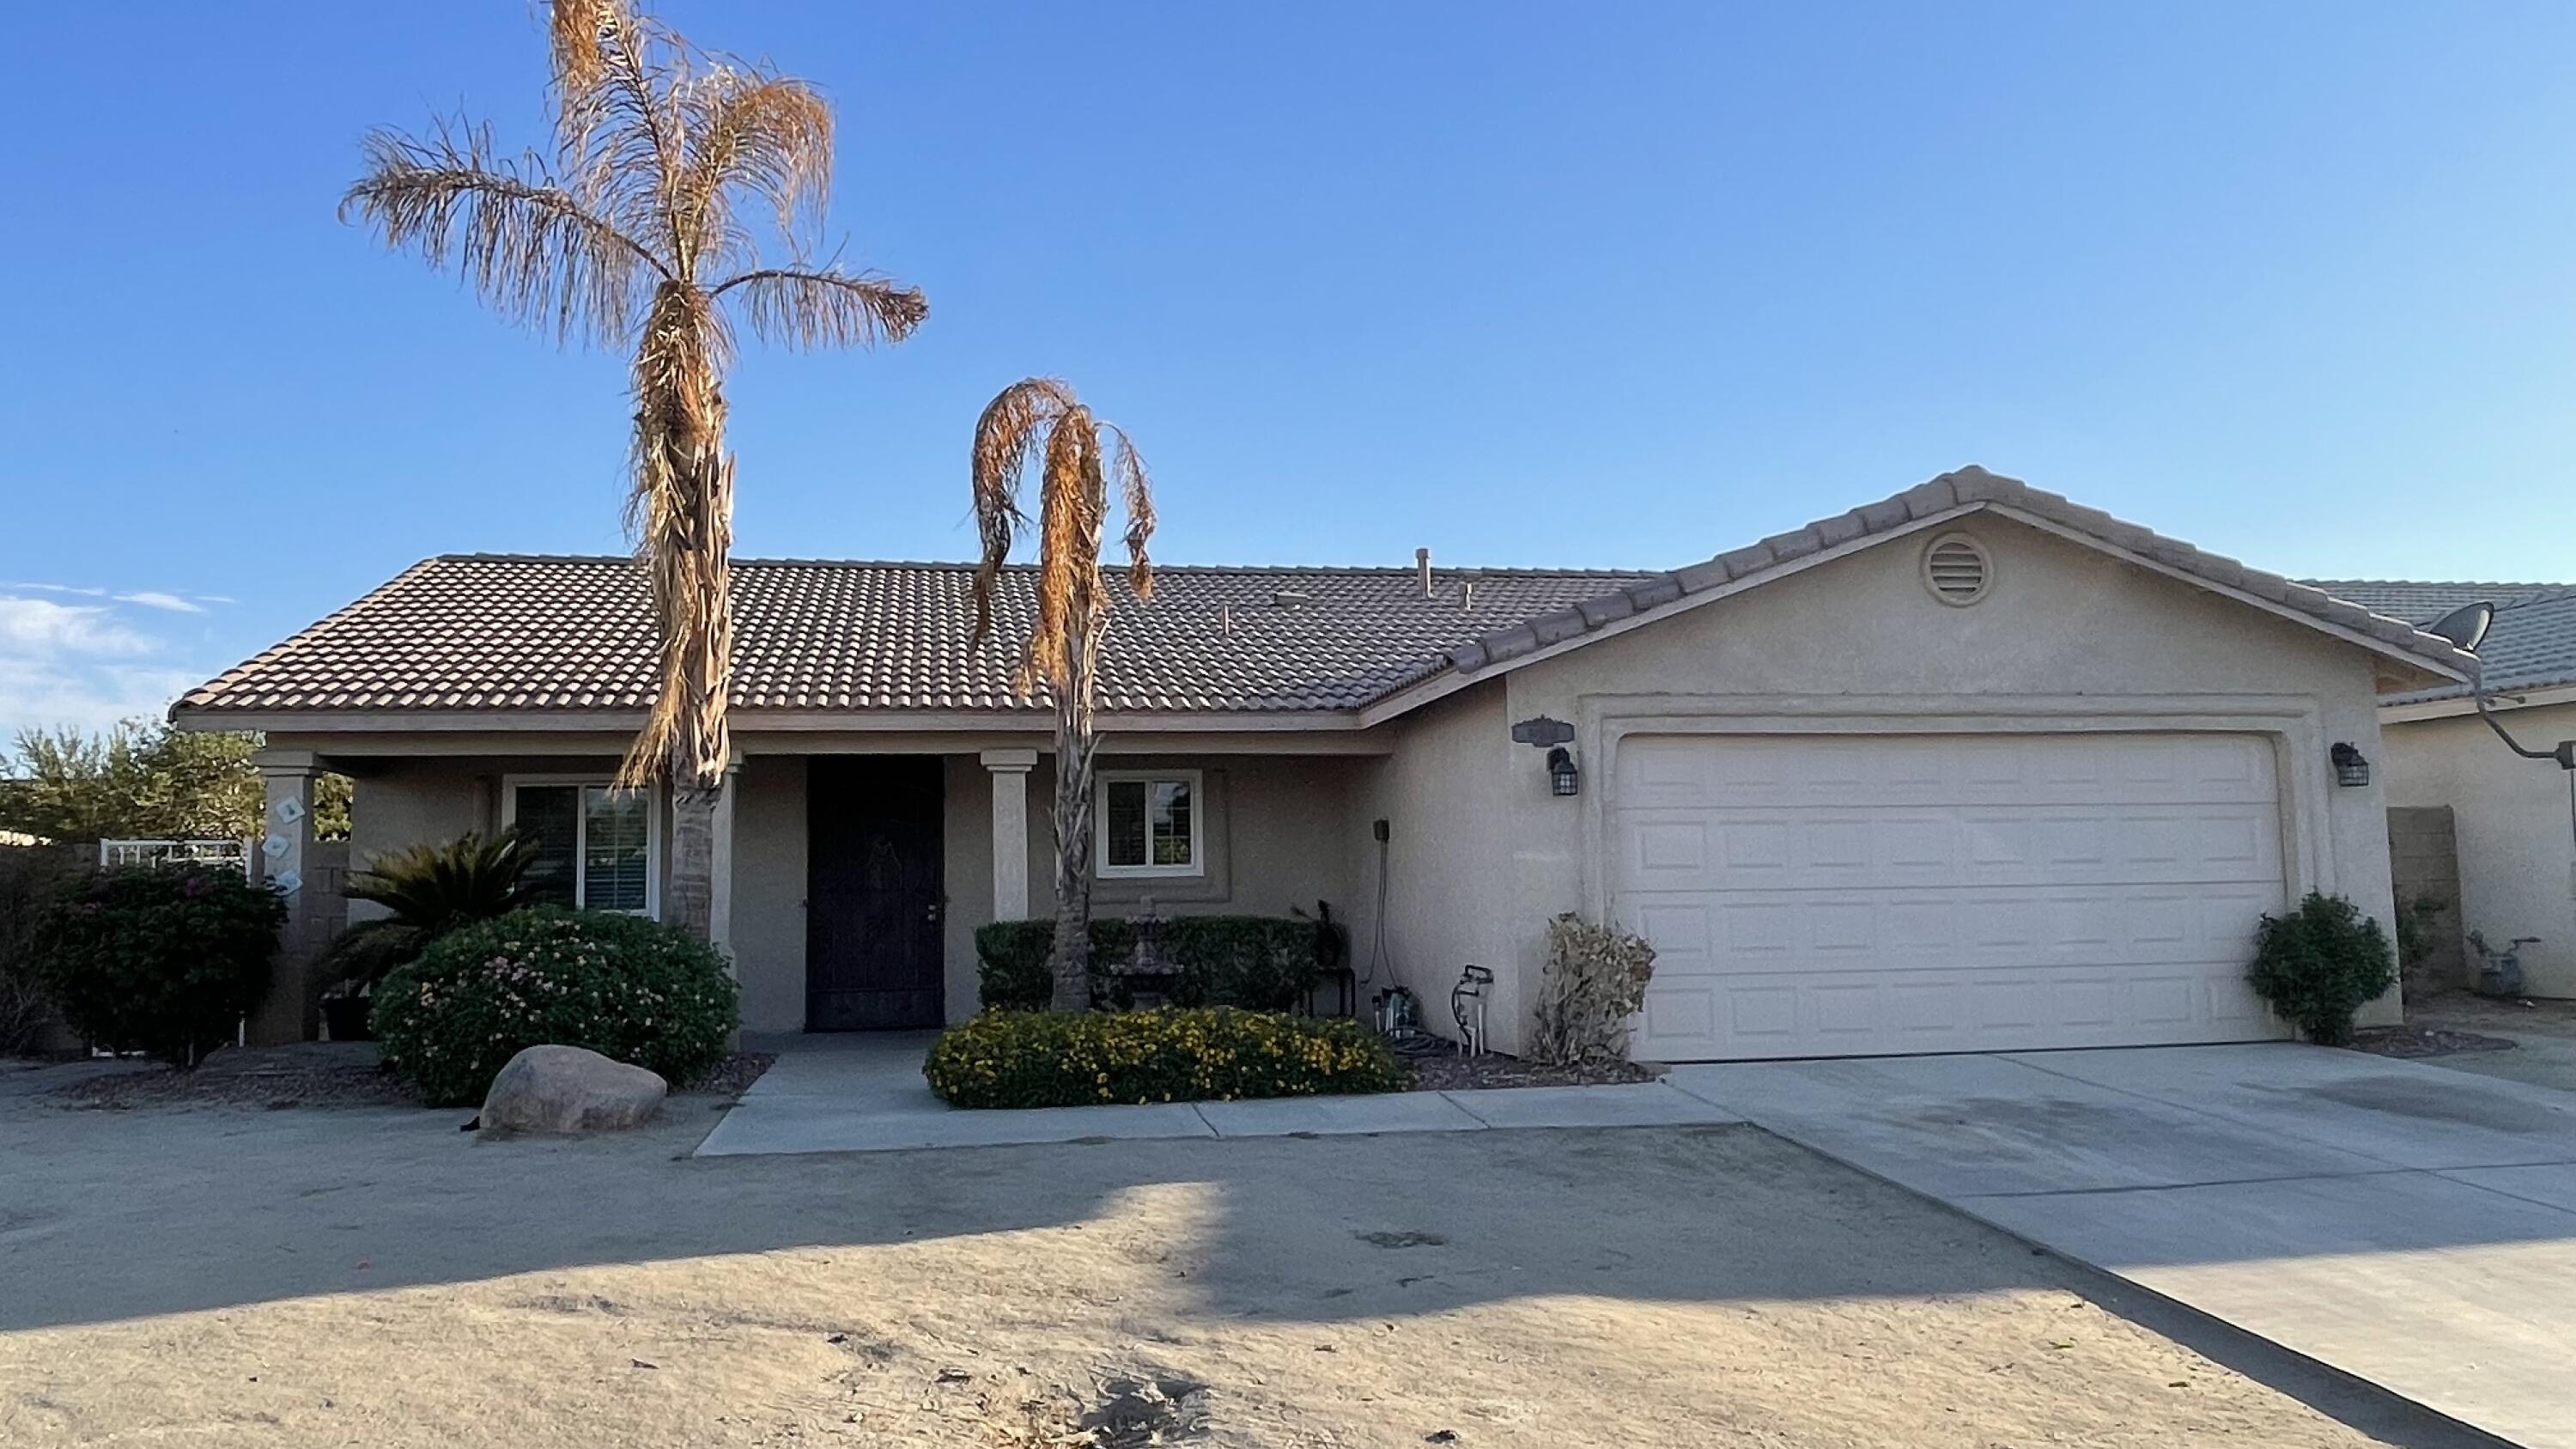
(528, 247)
(1136, 497)
(1011, 433)
(794, 307)
(768, 136)
(1071, 505)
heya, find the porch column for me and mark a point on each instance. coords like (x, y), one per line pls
(283, 856)
(1010, 772)
(720, 889)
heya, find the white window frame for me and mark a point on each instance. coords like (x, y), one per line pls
(510, 786)
(1100, 825)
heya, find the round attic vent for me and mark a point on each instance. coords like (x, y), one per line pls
(1956, 569)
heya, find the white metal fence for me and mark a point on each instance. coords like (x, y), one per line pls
(234, 853)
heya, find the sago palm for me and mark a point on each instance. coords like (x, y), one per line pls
(1040, 420)
(427, 891)
(635, 235)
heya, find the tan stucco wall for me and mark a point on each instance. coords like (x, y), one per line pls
(2517, 843)
(768, 935)
(1443, 794)
(2088, 634)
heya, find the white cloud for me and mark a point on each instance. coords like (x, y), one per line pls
(41, 695)
(155, 599)
(41, 628)
(57, 589)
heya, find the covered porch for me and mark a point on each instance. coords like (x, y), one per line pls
(852, 872)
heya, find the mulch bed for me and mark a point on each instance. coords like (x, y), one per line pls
(292, 1077)
(1450, 1072)
(2423, 1041)
(734, 1075)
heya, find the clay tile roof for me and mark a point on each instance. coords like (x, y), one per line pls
(484, 631)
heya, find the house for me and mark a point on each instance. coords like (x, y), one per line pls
(1971, 767)
(2512, 821)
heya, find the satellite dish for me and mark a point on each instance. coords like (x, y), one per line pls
(2465, 626)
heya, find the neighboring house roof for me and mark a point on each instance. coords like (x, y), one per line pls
(483, 633)
(2422, 603)
(2531, 645)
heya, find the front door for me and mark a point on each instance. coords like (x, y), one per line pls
(873, 957)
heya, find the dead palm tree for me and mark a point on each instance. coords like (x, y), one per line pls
(634, 236)
(1040, 420)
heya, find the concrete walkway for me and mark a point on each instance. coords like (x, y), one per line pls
(2409, 1225)
(865, 1093)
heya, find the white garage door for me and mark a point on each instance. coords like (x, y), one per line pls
(1859, 895)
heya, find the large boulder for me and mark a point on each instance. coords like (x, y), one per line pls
(569, 1089)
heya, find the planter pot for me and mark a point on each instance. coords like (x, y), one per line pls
(344, 1018)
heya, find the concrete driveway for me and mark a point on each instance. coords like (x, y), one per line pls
(2410, 1225)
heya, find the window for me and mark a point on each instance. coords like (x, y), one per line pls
(1151, 823)
(593, 844)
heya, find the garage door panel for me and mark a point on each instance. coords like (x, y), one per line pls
(1862, 1013)
(1837, 849)
(1860, 894)
(1947, 770)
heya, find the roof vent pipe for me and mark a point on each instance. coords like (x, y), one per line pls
(1422, 564)
(1225, 620)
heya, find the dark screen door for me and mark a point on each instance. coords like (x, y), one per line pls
(873, 940)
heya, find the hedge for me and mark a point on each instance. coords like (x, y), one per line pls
(1172, 1054)
(1264, 963)
(623, 986)
(161, 958)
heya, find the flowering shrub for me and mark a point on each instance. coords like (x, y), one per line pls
(1179, 1054)
(164, 959)
(625, 987)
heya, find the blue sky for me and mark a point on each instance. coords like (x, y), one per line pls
(1530, 285)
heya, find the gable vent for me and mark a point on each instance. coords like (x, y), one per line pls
(1956, 569)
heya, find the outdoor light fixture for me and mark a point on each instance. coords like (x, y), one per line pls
(1562, 777)
(1552, 735)
(2350, 768)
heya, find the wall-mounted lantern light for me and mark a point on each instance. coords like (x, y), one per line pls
(1562, 777)
(2349, 766)
(1552, 735)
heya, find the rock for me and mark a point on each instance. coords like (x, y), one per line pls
(569, 1089)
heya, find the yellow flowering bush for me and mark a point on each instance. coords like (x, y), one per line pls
(1176, 1054)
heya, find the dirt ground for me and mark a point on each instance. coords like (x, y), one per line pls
(2543, 1034)
(222, 1276)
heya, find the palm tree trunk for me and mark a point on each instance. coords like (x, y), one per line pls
(1075, 745)
(689, 894)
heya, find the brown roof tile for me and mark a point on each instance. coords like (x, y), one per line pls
(552, 633)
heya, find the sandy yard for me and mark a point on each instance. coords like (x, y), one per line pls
(370, 1276)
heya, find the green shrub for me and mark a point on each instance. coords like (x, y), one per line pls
(1262, 963)
(2319, 964)
(30, 876)
(163, 959)
(625, 987)
(1176, 1054)
(1011, 971)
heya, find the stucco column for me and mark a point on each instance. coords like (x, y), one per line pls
(1010, 772)
(720, 888)
(283, 857)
